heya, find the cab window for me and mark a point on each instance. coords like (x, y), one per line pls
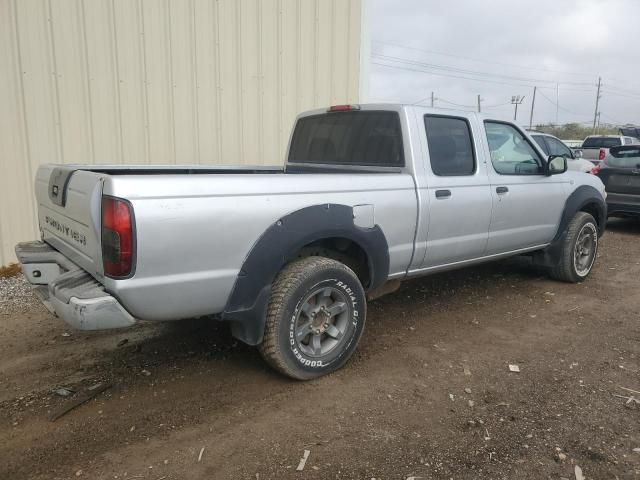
(556, 147)
(541, 142)
(450, 145)
(511, 152)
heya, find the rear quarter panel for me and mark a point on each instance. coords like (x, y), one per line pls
(194, 231)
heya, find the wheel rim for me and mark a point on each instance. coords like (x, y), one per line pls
(584, 252)
(322, 321)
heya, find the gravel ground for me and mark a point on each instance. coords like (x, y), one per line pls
(16, 295)
(428, 394)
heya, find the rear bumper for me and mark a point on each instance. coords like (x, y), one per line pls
(68, 291)
(619, 204)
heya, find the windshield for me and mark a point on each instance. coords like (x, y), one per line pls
(541, 143)
(601, 142)
(624, 157)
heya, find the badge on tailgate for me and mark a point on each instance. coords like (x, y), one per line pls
(58, 182)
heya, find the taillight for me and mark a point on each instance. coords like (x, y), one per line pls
(343, 108)
(117, 237)
(595, 170)
(602, 154)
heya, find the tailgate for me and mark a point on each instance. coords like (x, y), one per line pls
(625, 181)
(590, 153)
(69, 205)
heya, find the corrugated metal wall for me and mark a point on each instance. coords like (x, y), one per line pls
(159, 81)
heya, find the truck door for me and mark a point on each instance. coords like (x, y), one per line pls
(527, 204)
(458, 191)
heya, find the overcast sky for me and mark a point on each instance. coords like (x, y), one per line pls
(501, 48)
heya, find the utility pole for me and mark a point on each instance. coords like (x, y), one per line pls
(479, 100)
(595, 115)
(516, 100)
(533, 102)
(598, 124)
(432, 99)
(557, 100)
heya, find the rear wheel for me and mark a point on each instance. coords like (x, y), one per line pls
(315, 318)
(579, 249)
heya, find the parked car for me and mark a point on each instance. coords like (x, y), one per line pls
(551, 145)
(620, 174)
(596, 147)
(370, 195)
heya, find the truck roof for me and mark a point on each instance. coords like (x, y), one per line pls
(393, 107)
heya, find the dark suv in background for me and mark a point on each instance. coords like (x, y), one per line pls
(620, 173)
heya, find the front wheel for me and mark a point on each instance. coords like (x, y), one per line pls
(579, 249)
(315, 318)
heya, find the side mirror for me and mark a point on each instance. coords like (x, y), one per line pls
(557, 164)
(577, 153)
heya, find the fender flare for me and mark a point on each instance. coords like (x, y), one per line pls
(579, 198)
(279, 244)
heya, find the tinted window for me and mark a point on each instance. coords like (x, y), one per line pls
(540, 141)
(511, 153)
(628, 157)
(368, 138)
(601, 142)
(556, 147)
(450, 145)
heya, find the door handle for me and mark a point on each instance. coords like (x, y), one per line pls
(502, 190)
(443, 193)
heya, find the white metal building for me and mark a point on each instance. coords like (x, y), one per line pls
(162, 81)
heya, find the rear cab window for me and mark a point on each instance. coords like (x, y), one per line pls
(450, 145)
(601, 142)
(351, 138)
(626, 157)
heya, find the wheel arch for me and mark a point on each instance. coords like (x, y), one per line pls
(585, 198)
(327, 230)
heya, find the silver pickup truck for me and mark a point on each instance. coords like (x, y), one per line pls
(370, 195)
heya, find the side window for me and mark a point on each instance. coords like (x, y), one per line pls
(556, 147)
(541, 142)
(450, 145)
(511, 153)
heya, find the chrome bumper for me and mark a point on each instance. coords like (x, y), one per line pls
(68, 291)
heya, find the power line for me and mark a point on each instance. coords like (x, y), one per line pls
(467, 71)
(561, 108)
(612, 119)
(497, 105)
(450, 75)
(432, 52)
(617, 94)
(470, 107)
(623, 90)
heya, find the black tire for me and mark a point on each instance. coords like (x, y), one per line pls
(574, 266)
(299, 302)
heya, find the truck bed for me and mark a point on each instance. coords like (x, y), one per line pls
(176, 169)
(188, 247)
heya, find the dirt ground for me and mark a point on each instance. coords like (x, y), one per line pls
(428, 394)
